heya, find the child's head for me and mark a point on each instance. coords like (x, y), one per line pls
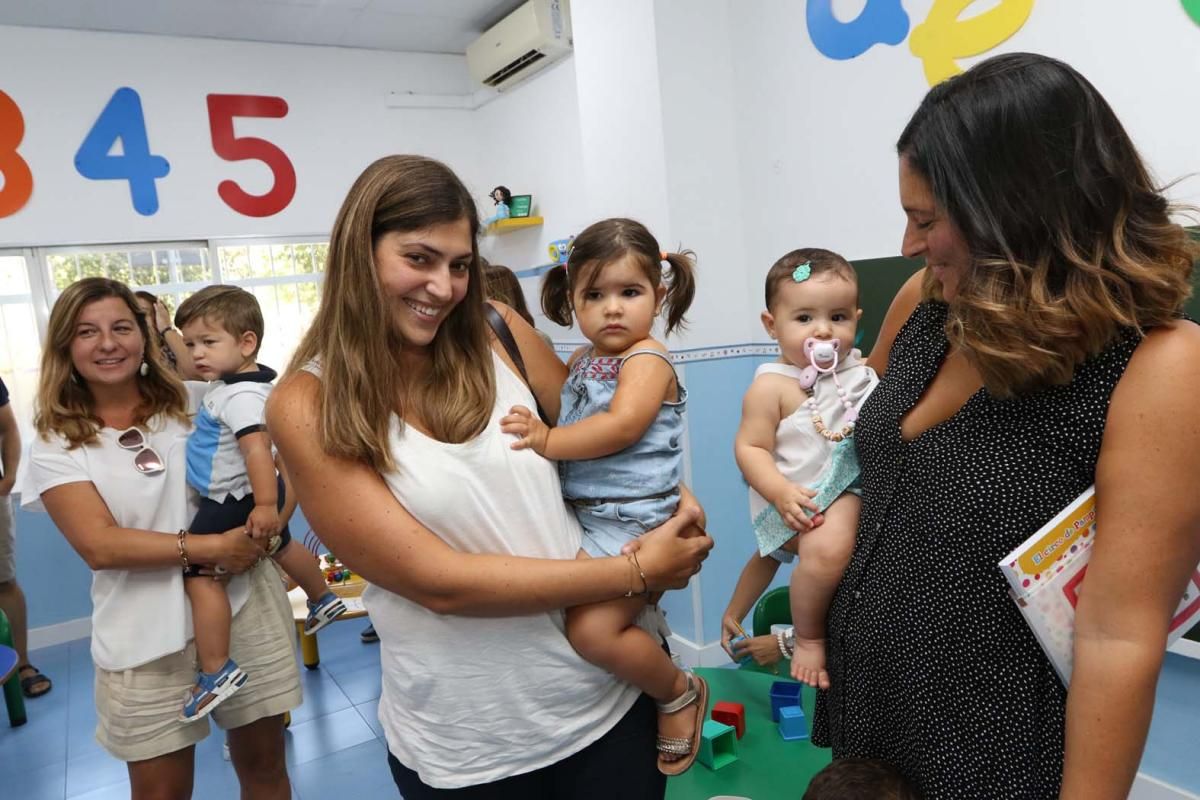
(811, 293)
(503, 284)
(222, 327)
(613, 283)
(859, 779)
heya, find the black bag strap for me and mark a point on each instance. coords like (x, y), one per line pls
(504, 334)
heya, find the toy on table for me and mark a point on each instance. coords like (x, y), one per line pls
(783, 694)
(733, 714)
(502, 197)
(718, 745)
(792, 724)
(335, 571)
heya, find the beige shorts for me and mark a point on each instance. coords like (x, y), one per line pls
(8, 553)
(138, 709)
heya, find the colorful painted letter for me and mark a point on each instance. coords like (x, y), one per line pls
(122, 119)
(222, 108)
(943, 37)
(881, 22)
(1192, 7)
(18, 180)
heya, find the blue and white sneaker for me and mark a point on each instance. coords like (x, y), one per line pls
(323, 612)
(211, 689)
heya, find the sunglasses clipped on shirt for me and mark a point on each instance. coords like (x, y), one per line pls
(146, 460)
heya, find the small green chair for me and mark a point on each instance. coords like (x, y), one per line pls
(12, 684)
(773, 608)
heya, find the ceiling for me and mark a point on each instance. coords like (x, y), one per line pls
(423, 26)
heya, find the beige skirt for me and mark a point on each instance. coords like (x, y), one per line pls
(138, 709)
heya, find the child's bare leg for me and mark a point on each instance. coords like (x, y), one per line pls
(211, 619)
(604, 634)
(301, 566)
(824, 553)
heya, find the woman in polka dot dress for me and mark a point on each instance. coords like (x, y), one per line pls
(1038, 352)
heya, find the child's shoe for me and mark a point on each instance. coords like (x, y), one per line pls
(214, 688)
(323, 612)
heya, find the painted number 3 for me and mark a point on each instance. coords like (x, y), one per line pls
(18, 180)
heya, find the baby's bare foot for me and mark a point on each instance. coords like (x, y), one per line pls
(808, 663)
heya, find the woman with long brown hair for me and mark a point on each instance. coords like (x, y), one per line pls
(1039, 352)
(389, 425)
(108, 464)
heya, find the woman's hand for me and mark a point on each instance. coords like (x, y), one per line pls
(730, 629)
(763, 649)
(234, 551)
(672, 553)
(162, 317)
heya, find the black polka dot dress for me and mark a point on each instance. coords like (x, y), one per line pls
(933, 667)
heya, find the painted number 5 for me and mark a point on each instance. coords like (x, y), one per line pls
(222, 108)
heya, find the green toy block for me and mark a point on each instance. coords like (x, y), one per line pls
(718, 745)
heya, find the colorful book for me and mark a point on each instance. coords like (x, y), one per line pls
(1045, 573)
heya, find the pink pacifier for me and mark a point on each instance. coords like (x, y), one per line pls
(822, 357)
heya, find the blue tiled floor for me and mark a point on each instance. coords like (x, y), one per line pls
(333, 745)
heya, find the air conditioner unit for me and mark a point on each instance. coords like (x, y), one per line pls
(522, 44)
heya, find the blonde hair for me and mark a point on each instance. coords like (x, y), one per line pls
(356, 341)
(65, 405)
(1070, 238)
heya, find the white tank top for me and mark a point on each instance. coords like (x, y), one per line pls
(470, 700)
(801, 453)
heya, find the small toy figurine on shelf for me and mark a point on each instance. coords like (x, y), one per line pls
(502, 197)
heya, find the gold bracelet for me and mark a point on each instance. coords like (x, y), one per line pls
(645, 584)
(632, 571)
(183, 549)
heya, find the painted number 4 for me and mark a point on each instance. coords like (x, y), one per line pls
(123, 123)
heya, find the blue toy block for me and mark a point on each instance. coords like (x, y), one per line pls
(745, 661)
(783, 693)
(718, 745)
(792, 725)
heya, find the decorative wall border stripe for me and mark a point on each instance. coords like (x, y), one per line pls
(715, 353)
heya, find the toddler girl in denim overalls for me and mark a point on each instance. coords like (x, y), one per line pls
(618, 442)
(621, 496)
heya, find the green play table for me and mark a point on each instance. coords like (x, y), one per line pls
(768, 768)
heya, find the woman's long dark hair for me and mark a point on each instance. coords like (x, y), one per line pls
(1070, 236)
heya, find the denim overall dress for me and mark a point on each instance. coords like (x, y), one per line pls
(620, 496)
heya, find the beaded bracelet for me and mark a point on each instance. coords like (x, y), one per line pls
(183, 549)
(783, 648)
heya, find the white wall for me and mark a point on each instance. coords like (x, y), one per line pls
(531, 144)
(817, 137)
(337, 123)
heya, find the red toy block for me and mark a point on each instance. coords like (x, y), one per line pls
(731, 714)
